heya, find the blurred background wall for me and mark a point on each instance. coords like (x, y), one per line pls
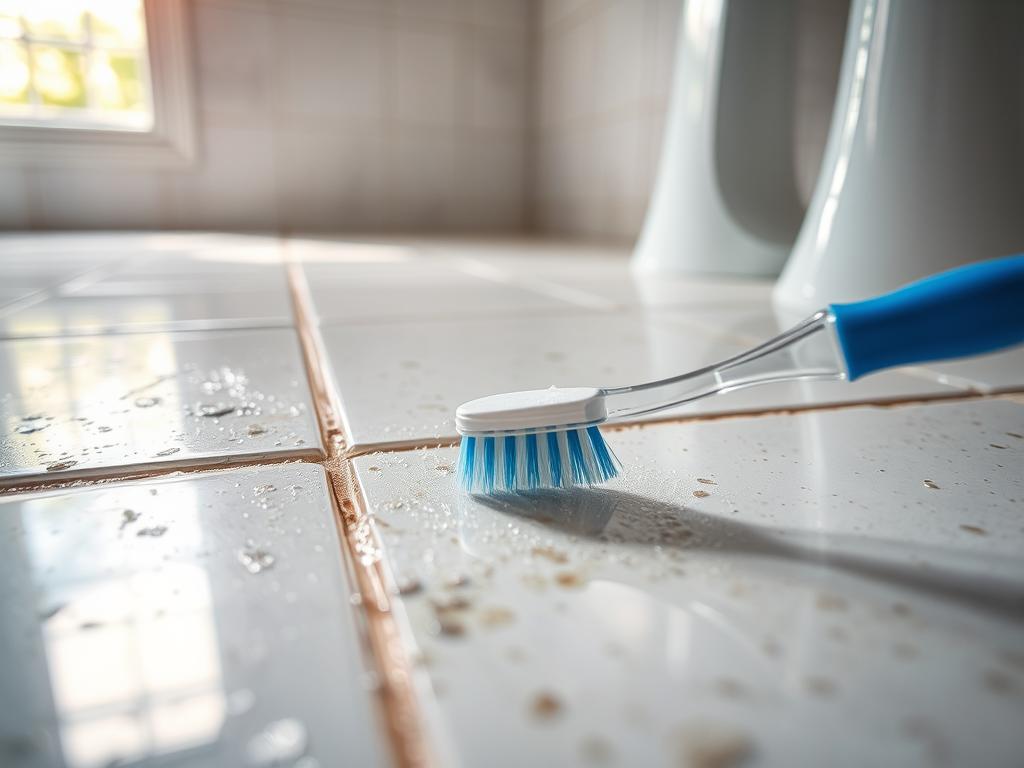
(420, 115)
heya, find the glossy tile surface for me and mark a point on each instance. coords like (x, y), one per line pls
(77, 406)
(830, 587)
(195, 620)
(402, 381)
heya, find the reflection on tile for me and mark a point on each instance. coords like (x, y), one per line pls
(142, 307)
(989, 373)
(402, 381)
(117, 403)
(198, 620)
(840, 587)
(420, 288)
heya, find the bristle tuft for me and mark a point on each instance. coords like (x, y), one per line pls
(527, 462)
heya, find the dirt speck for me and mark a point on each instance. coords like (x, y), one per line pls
(546, 706)
(820, 685)
(771, 647)
(901, 609)
(550, 553)
(710, 745)
(999, 682)
(931, 484)
(496, 616)
(905, 651)
(730, 688)
(515, 654)
(997, 445)
(569, 579)
(57, 466)
(450, 626)
(535, 582)
(596, 750)
(374, 468)
(1016, 435)
(974, 529)
(409, 586)
(829, 602)
(701, 494)
(706, 481)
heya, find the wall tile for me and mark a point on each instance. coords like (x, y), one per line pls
(331, 67)
(425, 76)
(236, 57)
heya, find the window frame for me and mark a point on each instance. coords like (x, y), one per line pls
(169, 143)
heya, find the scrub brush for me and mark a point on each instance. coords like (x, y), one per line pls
(549, 438)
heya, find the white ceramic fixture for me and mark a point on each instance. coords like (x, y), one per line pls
(923, 164)
(725, 199)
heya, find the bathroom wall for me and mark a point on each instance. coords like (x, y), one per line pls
(601, 92)
(420, 115)
(327, 115)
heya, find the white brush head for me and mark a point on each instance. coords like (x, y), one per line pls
(531, 410)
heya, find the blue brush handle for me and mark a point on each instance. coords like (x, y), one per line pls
(965, 311)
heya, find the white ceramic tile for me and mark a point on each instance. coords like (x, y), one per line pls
(332, 68)
(133, 311)
(235, 56)
(424, 288)
(334, 178)
(127, 199)
(232, 186)
(75, 407)
(402, 381)
(499, 72)
(779, 590)
(997, 372)
(425, 76)
(135, 629)
(14, 202)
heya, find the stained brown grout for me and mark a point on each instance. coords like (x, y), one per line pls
(67, 480)
(451, 441)
(397, 699)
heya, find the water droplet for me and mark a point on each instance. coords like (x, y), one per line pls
(59, 465)
(146, 402)
(167, 451)
(281, 742)
(256, 560)
(256, 429)
(155, 532)
(214, 411)
(28, 429)
(259, 490)
(240, 701)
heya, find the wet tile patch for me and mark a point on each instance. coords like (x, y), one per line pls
(74, 407)
(816, 583)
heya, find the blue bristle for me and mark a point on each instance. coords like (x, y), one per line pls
(532, 463)
(526, 462)
(555, 459)
(606, 462)
(488, 465)
(467, 462)
(576, 459)
(510, 463)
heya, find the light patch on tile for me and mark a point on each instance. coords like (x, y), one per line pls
(113, 404)
(125, 647)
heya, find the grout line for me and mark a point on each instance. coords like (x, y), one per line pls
(399, 706)
(618, 426)
(66, 480)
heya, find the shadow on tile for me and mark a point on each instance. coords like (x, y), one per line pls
(617, 517)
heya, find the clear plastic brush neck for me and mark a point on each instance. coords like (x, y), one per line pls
(809, 350)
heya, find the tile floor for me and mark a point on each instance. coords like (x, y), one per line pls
(816, 585)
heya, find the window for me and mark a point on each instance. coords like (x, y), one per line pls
(70, 63)
(94, 82)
